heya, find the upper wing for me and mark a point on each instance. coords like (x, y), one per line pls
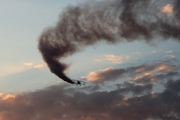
(79, 82)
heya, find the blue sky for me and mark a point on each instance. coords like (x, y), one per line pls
(23, 22)
(21, 25)
(128, 76)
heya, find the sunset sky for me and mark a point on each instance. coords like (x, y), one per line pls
(133, 75)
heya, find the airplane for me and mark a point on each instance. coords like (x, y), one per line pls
(78, 82)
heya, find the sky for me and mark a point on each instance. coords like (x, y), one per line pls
(126, 52)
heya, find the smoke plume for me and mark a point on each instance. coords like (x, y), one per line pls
(111, 21)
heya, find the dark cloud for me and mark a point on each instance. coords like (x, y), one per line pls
(112, 21)
(137, 89)
(173, 86)
(129, 100)
(177, 9)
(62, 103)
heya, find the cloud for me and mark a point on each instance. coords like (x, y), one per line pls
(131, 99)
(18, 68)
(105, 74)
(169, 52)
(6, 97)
(28, 64)
(143, 73)
(11, 69)
(39, 66)
(117, 59)
(112, 59)
(63, 102)
(172, 56)
(93, 76)
(168, 9)
(162, 67)
(34, 65)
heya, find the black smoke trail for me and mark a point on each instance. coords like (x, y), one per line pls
(111, 21)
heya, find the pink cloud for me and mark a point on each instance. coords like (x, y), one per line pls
(168, 9)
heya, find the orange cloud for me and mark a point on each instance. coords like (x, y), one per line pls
(162, 68)
(6, 97)
(39, 66)
(147, 74)
(168, 9)
(139, 70)
(144, 78)
(95, 76)
(105, 74)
